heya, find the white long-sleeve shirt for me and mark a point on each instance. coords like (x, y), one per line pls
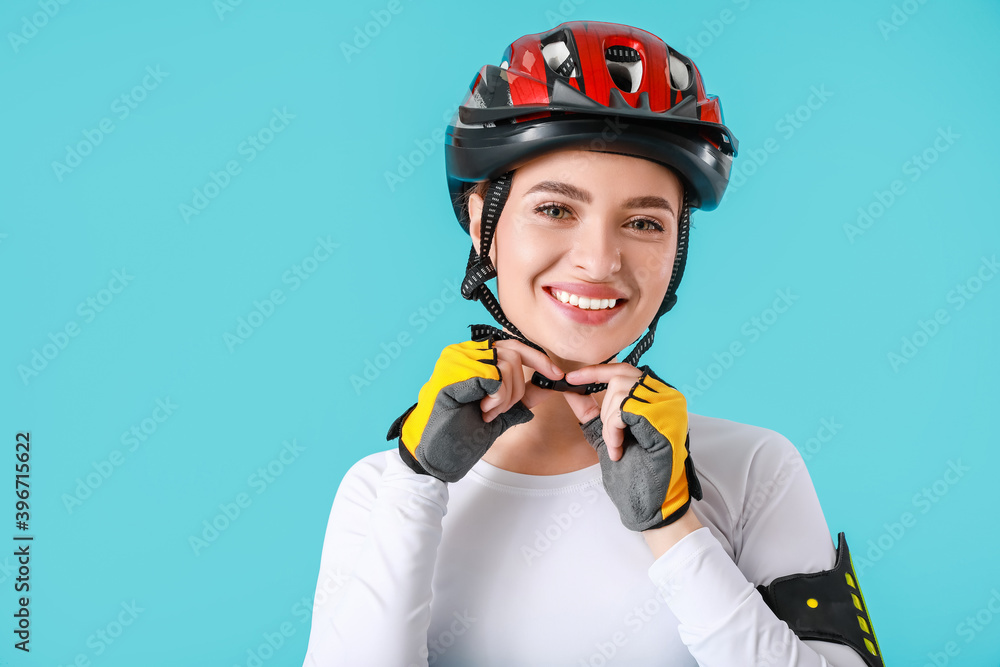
(502, 569)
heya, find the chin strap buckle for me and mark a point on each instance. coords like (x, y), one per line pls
(561, 385)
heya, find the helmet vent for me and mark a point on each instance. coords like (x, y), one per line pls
(624, 66)
(680, 75)
(559, 59)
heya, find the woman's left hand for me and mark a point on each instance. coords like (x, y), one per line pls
(640, 432)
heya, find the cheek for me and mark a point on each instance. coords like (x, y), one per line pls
(522, 254)
(653, 270)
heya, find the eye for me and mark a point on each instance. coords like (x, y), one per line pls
(553, 210)
(646, 225)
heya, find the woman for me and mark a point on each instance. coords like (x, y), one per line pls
(504, 527)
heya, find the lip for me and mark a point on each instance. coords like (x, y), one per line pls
(589, 291)
(589, 317)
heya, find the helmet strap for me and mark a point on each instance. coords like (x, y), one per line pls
(480, 268)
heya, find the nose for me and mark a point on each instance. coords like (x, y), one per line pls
(596, 250)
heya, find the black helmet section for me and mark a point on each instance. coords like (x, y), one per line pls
(484, 141)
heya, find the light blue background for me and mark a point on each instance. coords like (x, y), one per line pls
(360, 115)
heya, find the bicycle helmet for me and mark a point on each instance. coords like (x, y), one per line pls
(584, 85)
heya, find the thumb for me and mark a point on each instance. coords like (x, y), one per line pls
(584, 406)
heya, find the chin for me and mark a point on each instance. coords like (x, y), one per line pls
(584, 355)
(576, 345)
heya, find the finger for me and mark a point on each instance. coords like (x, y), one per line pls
(500, 395)
(509, 366)
(584, 406)
(531, 357)
(533, 395)
(614, 436)
(514, 382)
(603, 373)
(614, 427)
(517, 390)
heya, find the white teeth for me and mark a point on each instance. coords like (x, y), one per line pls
(583, 302)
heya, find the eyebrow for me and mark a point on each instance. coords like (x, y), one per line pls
(573, 192)
(560, 188)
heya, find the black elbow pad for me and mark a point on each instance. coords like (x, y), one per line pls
(826, 605)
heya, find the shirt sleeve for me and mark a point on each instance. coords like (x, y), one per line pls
(372, 602)
(779, 529)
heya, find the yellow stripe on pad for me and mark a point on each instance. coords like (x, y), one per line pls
(666, 410)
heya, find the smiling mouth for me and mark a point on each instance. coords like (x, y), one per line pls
(583, 302)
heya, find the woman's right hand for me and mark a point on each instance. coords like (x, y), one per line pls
(512, 355)
(476, 392)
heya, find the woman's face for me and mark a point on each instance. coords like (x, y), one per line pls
(592, 228)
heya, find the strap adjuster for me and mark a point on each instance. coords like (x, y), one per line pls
(477, 274)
